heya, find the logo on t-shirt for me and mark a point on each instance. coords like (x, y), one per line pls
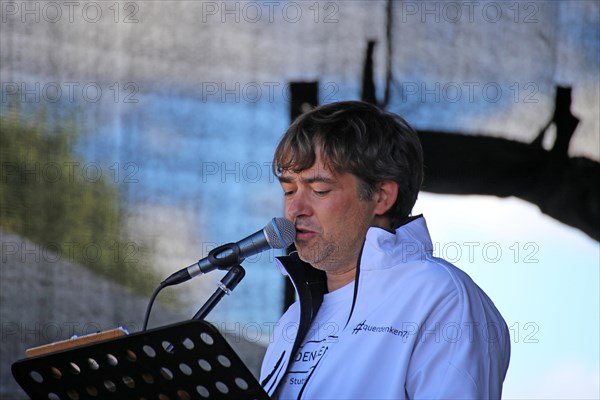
(305, 361)
(364, 327)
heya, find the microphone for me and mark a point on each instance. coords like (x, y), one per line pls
(279, 233)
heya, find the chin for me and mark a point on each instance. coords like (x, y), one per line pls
(306, 257)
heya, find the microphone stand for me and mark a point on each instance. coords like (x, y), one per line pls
(226, 286)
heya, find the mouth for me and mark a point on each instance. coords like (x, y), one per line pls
(303, 234)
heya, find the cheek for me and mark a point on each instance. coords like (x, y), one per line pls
(337, 215)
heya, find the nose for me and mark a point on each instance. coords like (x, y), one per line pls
(297, 205)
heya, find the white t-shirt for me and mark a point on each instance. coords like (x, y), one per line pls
(322, 335)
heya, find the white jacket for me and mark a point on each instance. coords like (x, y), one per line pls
(419, 328)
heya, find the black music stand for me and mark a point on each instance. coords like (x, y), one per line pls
(183, 361)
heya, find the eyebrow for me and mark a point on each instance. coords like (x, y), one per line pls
(314, 179)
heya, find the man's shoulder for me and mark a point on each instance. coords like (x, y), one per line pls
(443, 271)
(430, 269)
(433, 277)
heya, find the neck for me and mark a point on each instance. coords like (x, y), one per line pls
(336, 280)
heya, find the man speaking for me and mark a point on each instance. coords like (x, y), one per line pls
(377, 316)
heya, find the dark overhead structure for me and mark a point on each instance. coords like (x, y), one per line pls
(564, 188)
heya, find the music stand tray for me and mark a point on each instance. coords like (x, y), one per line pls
(183, 361)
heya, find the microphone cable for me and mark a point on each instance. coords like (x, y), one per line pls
(150, 303)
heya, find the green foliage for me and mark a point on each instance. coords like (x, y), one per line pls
(76, 217)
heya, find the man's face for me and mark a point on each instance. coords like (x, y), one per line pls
(331, 222)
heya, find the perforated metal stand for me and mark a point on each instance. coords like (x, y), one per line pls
(189, 360)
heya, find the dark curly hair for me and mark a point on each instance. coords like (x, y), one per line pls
(359, 138)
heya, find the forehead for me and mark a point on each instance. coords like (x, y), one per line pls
(310, 176)
(320, 174)
(319, 170)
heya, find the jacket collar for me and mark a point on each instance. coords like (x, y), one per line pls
(383, 249)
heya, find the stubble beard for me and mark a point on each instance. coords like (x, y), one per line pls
(325, 255)
(320, 254)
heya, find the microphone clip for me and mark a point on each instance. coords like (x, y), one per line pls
(225, 256)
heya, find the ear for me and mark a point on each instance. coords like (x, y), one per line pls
(385, 196)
